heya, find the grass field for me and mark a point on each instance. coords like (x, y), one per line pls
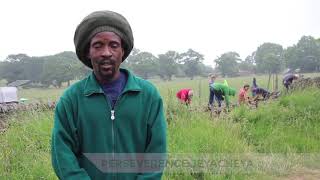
(281, 138)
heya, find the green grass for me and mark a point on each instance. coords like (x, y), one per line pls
(25, 147)
(289, 126)
(36, 94)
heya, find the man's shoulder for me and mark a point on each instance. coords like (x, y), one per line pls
(145, 84)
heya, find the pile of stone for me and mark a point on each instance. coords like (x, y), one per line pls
(16, 107)
(305, 83)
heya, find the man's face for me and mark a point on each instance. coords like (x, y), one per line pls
(106, 54)
(246, 88)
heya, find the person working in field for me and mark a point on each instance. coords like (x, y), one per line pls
(223, 92)
(108, 113)
(243, 97)
(212, 78)
(259, 91)
(288, 80)
(185, 96)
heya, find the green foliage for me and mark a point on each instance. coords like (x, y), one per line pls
(60, 68)
(167, 64)
(268, 58)
(46, 70)
(191, 63)
(287, 126)
(143, 64)
(21, 67)
(248, 64)
(228, 64)
(25, 147)
(305, 55)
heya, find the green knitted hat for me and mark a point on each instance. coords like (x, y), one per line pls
(101, 21)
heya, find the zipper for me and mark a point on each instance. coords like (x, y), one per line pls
(112, 131)
(113, 117)
(113, 138)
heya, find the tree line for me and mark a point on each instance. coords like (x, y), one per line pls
(269, 58)
(272, 58)
(63, 67)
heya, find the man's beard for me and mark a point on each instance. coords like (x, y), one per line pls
(102, 70)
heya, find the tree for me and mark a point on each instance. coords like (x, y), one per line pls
(291, 58)
(128, 63)
(167, 64)
(309, 53)
(21, 66)
(305, 55)
(269, 60)
(143, 64)
(227, 64)
(205, 70)
(59, 68)
(248, 64)
(191, 61)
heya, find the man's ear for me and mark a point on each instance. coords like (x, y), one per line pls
(89, 58)
(122, 55)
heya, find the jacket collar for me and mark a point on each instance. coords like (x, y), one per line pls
(92, 86)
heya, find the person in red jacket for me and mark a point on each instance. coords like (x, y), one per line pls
(185, 96)
(243, 97)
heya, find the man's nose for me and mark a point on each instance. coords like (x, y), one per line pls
(106, 52)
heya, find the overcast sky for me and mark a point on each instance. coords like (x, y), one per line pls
(40, 27)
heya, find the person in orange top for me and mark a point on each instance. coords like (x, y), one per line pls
(185, 96)
(243, 97)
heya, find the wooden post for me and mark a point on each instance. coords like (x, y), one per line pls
(277, 85)
(273, 82)
(269, 80)
(199, 93)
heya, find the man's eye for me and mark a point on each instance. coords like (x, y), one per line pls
(97, 45)
(114, 45)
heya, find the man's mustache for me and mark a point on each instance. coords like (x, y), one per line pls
(106, 62)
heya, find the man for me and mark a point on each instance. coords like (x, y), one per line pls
(259, 91)
(254, 86)
(109, 112)
(223, 91)
(212, 78)
(243, 97)
(288, 79)
(185, 96)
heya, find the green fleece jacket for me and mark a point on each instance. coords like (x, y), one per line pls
(85, 123)
(226, 91)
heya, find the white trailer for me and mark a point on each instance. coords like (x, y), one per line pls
(8, 95)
